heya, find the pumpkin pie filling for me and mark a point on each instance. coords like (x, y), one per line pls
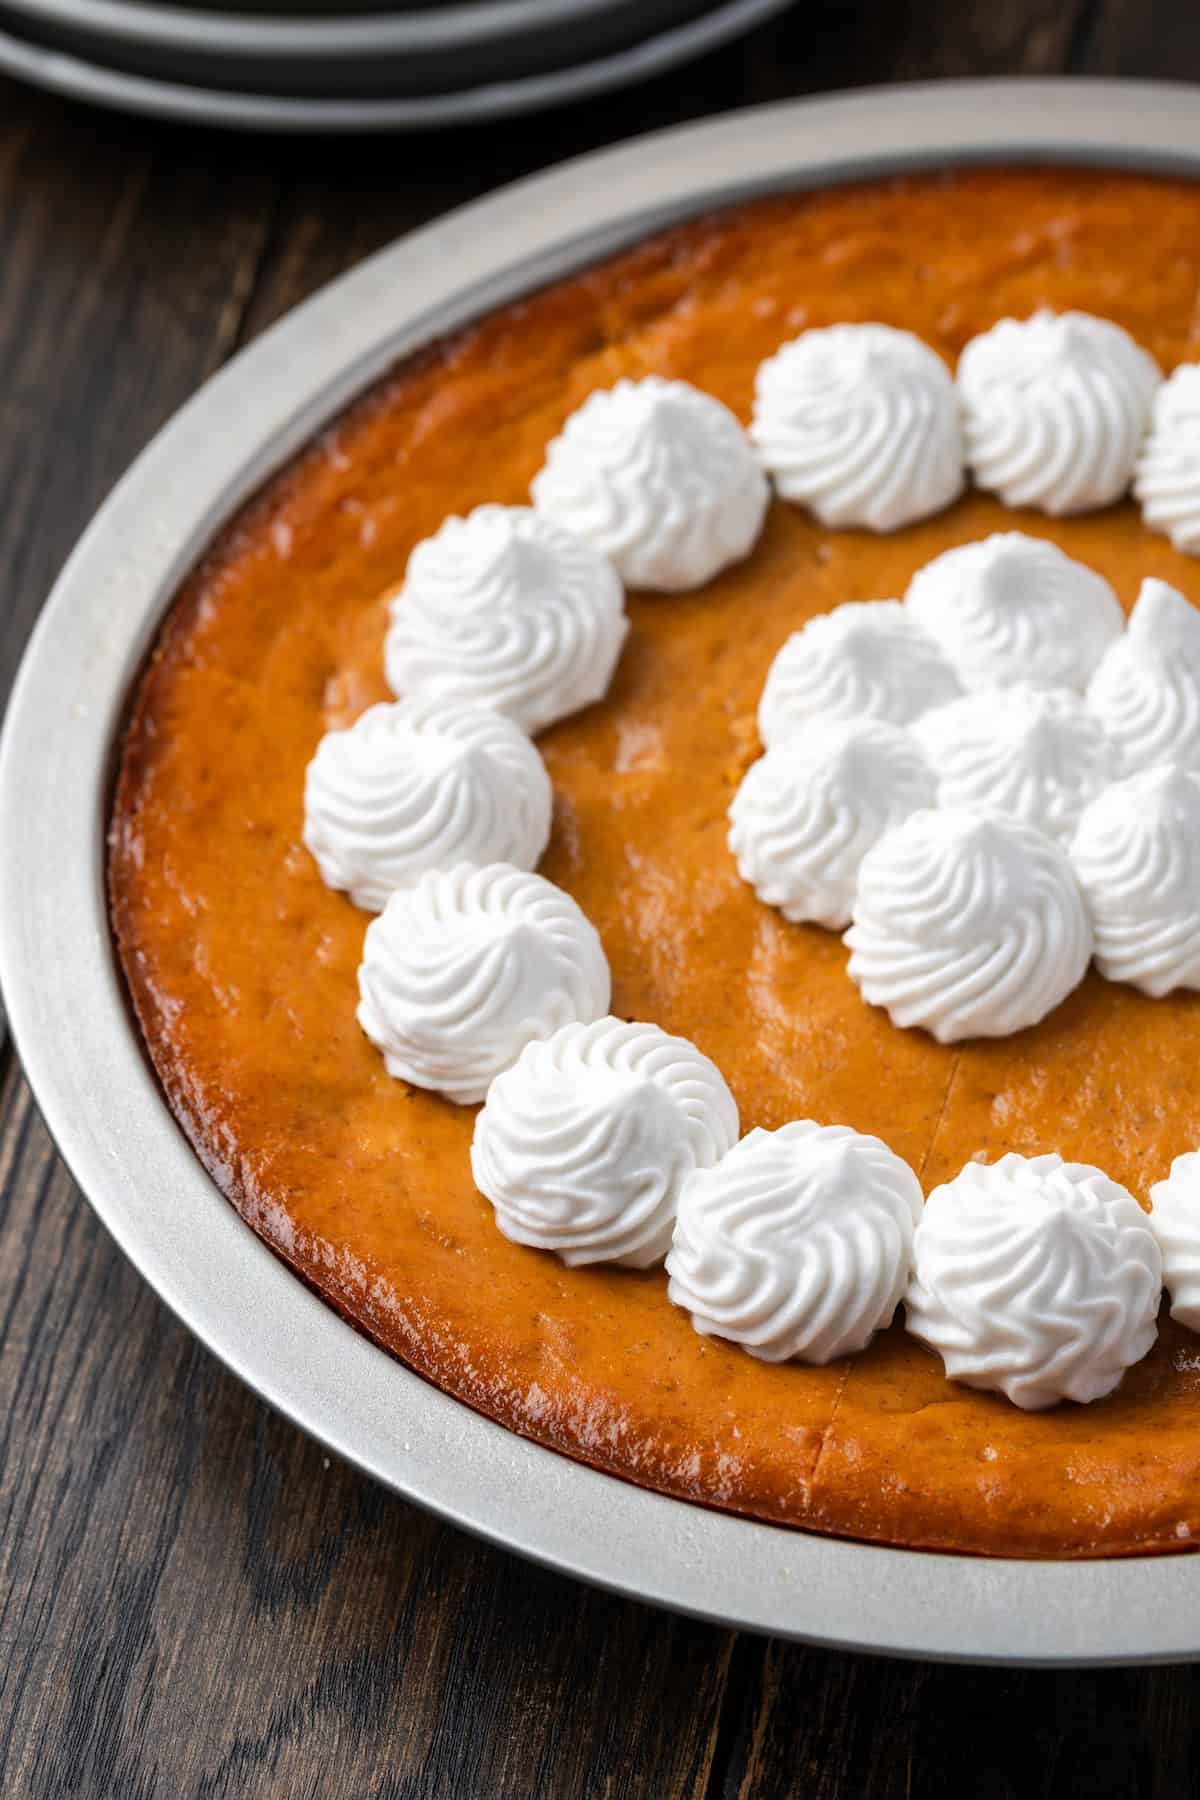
(241, 963)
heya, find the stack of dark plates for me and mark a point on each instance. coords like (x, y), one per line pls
(307, 65)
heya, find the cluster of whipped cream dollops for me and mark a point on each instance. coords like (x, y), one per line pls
(1035, 1278)
(1061, 412)
(434, 810)
(983, 853)
(990, 783)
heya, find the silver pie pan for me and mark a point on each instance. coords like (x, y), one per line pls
(399, 51)
(473, 98)
(85, 1060)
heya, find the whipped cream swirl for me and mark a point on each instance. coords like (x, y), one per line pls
(423, 784)
(865, 659)
(966, 925)
(1175, 1223)
(1014, 608)
(659, 477)
(1037, 753)
(585, 1142)
(797, 1244)
(1146, 690)
(860, 423)
(1054, 410)
(1137, 856)
(809, 810)
(1167, 483)
(1037, 1278)
(507, 610)
(468, 965)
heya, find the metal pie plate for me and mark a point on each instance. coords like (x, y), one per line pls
(84, 1058)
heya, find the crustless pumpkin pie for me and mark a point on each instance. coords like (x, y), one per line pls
(241, 964)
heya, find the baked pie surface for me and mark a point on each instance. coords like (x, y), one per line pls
(242, 965)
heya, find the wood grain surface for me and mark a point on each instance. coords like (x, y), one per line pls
(194, 1599)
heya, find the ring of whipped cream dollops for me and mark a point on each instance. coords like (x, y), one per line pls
(990, 782)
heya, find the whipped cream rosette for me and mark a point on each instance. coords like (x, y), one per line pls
(1054, 410)
(505, 609)
(1175, 1222)
(860, 423)
(1167, 483)
(865, 659)
(1036, 753)
(468, 965)
(808, 811)
(1146, 690)
(1036, 1278)
(658, 476)
(797, 1244)
(966, 925)
(1011, 608)
(1137, 855)
(423, 784)
(585, 1141)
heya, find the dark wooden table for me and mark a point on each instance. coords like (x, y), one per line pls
(194, 1600)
